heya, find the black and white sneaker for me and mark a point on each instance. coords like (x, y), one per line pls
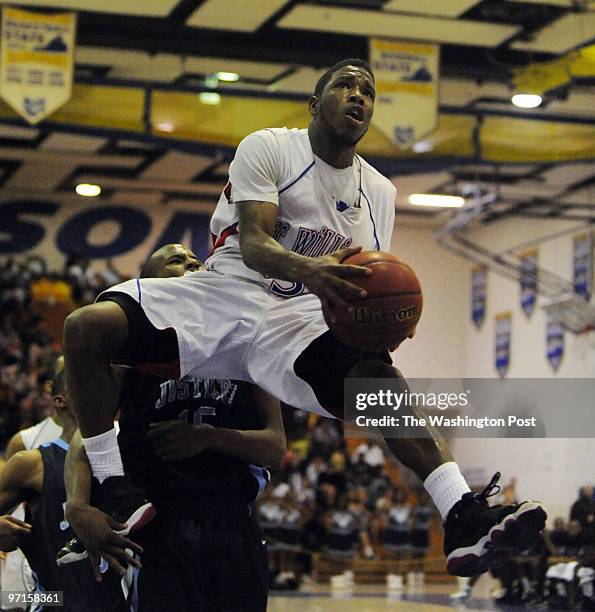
(72, 552)
(125, 503)
(476, 534)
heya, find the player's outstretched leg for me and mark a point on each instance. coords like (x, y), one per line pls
(93, 336)
(475, 534)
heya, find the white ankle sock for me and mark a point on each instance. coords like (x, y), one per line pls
(103, 453)
(446, 485)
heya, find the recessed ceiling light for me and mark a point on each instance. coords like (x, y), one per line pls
(88, 190)
(526, 100)
(209, 97)
(430, 199)
(228, 77)
(423, 146)
(165, 126)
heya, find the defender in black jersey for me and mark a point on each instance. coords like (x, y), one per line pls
(37, 478)
(191, 446)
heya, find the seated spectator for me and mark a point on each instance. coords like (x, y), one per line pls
(290, 526)
(357, 507)
(325, 437)
(396, 532)
(421, 514)
(577, 539)
(378, 487)
(583, 509)
(270, 515)
(559, 537)
(370, 453)
(316, 466)
(342, 533)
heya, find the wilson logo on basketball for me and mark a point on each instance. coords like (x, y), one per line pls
(374, 315)
(407, 313)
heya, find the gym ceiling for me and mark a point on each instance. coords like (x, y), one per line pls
(136, 124)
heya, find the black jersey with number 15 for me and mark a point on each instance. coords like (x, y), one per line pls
(222, 403)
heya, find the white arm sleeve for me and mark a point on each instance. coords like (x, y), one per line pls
(255, 170)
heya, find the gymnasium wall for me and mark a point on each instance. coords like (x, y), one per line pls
(528, 337)
(438, 349)
(551, 470)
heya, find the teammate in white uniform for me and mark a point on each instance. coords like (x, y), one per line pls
(298, 202)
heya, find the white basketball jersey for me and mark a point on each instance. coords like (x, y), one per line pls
(321, 208)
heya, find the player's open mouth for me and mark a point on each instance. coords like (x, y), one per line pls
(355, 116)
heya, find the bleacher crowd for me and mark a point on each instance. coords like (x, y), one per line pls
(28, 345)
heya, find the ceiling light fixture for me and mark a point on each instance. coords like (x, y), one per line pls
(228, 77)
(526, 100)
(88, 190)
(209, 97)
(429, 199)
(422, 146)
(165, 126)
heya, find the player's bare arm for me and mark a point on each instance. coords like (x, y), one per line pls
(14, 446)
(175, 440)
(324, 276)
(96, 530)
(21, 479)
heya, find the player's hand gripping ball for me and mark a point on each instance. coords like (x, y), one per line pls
(388, 314)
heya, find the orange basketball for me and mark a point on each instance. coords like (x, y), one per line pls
(390, 311)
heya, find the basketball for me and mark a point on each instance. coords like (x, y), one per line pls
(388, 314)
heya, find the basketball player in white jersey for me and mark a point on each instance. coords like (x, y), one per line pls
(297, 203)
(15, 573)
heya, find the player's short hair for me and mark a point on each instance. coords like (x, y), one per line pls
(147, 269)
(327, 75)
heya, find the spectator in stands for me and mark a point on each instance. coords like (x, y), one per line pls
(396, 532)
(325, 437)
(559, 536)
(342, 529)
(577, 539)
(583, 509)
(290, 526)
(421, 516)
(370, 453)
(378, 486)
(269, 514)
(338, 459)
(316, 466)
(356, 498)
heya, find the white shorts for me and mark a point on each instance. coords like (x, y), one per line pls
(231, 328)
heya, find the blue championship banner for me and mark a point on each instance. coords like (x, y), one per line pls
(479, 284)
(406, 107)
(554, 341)
(583, 265)
(36, 62)
(528, 281)
(503, 326)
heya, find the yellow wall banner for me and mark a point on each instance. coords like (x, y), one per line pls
(36, 61)
(406, 75)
